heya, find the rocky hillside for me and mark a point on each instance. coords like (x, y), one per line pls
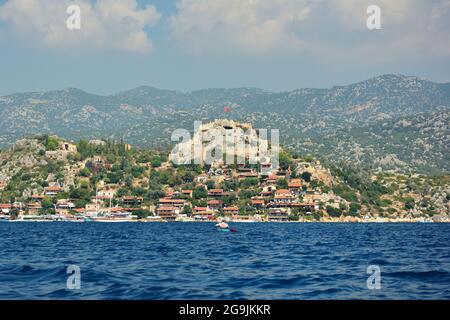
(390, 121)
(31, 166)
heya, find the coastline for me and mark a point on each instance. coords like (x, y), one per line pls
(354, 220)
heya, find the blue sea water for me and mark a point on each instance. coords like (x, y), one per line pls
(194, 261)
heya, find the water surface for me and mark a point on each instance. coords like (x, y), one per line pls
(194, 261)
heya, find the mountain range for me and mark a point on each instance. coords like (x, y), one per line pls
(387, 122)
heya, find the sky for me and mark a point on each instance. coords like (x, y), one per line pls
(184, 45)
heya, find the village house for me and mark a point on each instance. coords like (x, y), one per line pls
(202, 178)
(172, 194)
(231, 211)
(52, 191)
(187, 193)
(34, 208)
(91, 207)
(164, 202)
(295, 186)
(37, 197)
(266, 169)
(203, 214)
(215, 193)
(242, 168)
(266, 194)
(215, 205)
(314, 197)
(307, 207)
(5, 208)
(79, 211)
(246, 175)
(168, 213)
(257, 203)
(106, 194)
(131, 201)
(277, 215)
(200, 210)
(283, 197)
(64, 206)
(272, 179)
(270, 188)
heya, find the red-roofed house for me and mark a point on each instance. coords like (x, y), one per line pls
(200, 210)
(34, 208)
(131, 201)
(172, 202)
(37, 197)
(168, 213)
(5, 207)
(215, 204)
(231, 210)
(284, 196)
(187, 193)
(272, 179)
(203, 214)
(52, 191)
(215, 193)
(277, 215)
(295, 186)
(257, 203)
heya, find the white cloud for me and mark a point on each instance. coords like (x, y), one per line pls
(320, 28)
(105, 24)
(242, 25)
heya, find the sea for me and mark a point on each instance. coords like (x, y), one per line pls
(67, 260)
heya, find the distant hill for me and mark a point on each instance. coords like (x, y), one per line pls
(390, 121)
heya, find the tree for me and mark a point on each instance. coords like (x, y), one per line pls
(85, 172)
(334, 212)
(306, 176)
(141, 213)
(409, 203)
(247, 193)
(282, 183)
(210, 184)
(249, 182)
(199, 193)
(52, 144)
(229, 200)
(187, 210)
(47, 204)
(285, 160)
(229, 185)
(354, 209)
(155, 194)
(81, 203)
(156, 161)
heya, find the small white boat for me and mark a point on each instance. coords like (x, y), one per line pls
(113, 217)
